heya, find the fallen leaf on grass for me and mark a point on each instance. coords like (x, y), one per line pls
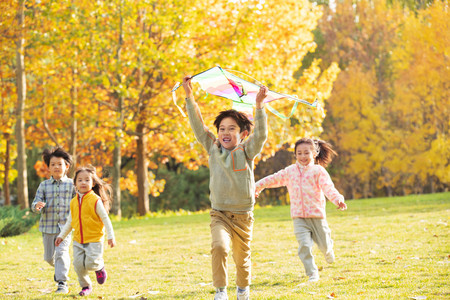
(435, 235)
(135, 296)
(45, 291)
(419, 297)
(339, 278)
(373, 251)
(320, 268)
(331, 296)
(204, 283)
(153, 292)
(312, 293)
(132, 242)
(399, 257)
(360, 293)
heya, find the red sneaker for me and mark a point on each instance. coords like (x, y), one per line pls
(101, 275)
(85, 291)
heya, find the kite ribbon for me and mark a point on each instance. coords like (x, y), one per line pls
(174, 98)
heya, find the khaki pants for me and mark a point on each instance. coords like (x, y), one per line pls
(87, 257)
(236, 229)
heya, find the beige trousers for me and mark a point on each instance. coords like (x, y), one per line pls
(87, 257)
(235, 229)
(57, 257)
(307, 231)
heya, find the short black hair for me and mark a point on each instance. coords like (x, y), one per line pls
(56, 152)
(241, 119)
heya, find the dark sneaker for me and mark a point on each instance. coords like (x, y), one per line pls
(85, 291)
(62, 288)
(101, 275)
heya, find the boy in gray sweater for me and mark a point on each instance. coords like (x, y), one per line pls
(232, 186)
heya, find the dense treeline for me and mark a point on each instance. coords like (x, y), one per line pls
(98, 75)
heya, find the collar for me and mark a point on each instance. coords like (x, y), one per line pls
(81, 195)
(62, 179)
(311, 163)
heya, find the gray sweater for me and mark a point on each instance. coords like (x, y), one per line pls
(232, 183)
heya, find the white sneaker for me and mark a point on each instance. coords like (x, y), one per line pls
(221, 295)
(62, 288)
(329, 257)
(243, 294)
(314, 278)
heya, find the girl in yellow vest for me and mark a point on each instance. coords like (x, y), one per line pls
(88, 218)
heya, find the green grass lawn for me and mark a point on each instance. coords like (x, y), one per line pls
(386, 248)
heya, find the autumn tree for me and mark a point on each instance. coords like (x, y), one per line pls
(420, 107)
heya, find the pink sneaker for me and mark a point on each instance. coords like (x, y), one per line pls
(101, 275)
(85, 291)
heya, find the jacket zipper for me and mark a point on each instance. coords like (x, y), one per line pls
(79, 217)
(301, 191)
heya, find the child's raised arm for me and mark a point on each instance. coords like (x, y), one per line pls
(262, 94)
(205, 136)
(255, 142)
(187, 85)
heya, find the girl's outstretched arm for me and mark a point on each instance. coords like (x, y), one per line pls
(327, 186)
(101, 212)
(275, 180)
(65, 230)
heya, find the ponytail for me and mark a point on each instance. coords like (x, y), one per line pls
(325, 153)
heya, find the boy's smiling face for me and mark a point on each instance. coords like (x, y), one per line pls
(230, 134)
(58, 167)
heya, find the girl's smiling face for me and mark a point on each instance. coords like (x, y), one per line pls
(84, 182)
(230, 134)
(305, 153)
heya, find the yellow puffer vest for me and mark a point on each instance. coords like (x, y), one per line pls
(88, 226)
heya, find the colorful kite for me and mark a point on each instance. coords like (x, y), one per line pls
(222, 83)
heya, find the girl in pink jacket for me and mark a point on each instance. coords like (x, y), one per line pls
(308, 182)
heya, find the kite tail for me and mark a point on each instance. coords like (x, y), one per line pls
(174, 98)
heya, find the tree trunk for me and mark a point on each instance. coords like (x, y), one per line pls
(117, 163)
(7, 137)
(117, 155)
(142, 172)
(22, 183)
(432, 187)
(73, 129)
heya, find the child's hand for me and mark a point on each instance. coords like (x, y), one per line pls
(58, 241)
(187, 84)
(111, 243)
(39, 205)
(342, 206)
(262, 94)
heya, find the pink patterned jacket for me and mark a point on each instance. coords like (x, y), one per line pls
(307, 186)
